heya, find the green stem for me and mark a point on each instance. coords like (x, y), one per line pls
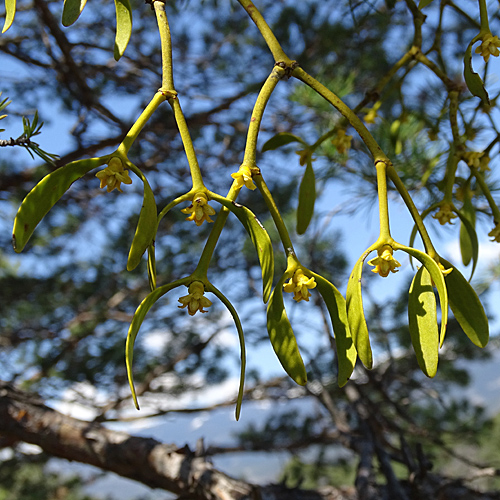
(187, 196)
(266, 32)
(398, 183)
(449, 176)
(486, 192)
(348, 113)
(132, 134)
(267, 89)
(383, 205)
(167, 80)
(275, 214)
(208, 251)
(188, 145)
(483, 13)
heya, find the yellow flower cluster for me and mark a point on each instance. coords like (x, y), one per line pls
(199, 209)
(477, 160)
(495, 233)
(342, 141)
(244, 178)
(384, 263)
(445, 214)
(196, 299)
(113, 175)
(489, 46)
(299, 285)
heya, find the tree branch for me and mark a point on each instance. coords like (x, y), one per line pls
(24, 417)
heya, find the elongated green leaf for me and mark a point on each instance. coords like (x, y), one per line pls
(282, 336)
(123, 26)
(137, 320)
(469, 245)
(471, 234)
(259, 237)
(336, 305)
(281, 139)
(356, 315)
(424, 3)
(152, 266)
(467, 307)
(422, 316)
(241, 338)
(307, 197)
(72, 10)
(44, 196)
(146, 228)
(438, 278)
(473, 80)
(414, 231)
(10, 12)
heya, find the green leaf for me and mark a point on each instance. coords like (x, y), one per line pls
(72, 10)
(136, 323)
(307, 197)
(424, 3)
(152, 266)
(259, 237)
(44, 196)
(10, 12)
(123, 26)
(469, 246)
(281, 139)
(473, 80)
(241, 338)
(422, 316)
(146, 228)
(282, 336)
(438, 278)
(336, 305)
(467, 307)
(414, 231)
(356, 315)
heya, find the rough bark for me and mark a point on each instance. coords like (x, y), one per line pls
(24, 417)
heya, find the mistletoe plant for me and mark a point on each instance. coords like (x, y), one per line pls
(347, 316)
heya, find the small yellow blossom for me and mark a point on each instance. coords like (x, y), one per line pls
(299, 285)
(372, 114)
(443, 270)
(113, 175)
(244, 177)
(473, 158)
(484, 163)
(445, 214)
(199, 209)
(489, 46)
(495, 233)
(342, 141)
(305, 156)
(384, 263)
(196, 299)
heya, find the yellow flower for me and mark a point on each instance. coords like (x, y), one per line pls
(299, 285)
(372, 114)
(196, 299)
(113, 175)
(476, 159)
(384, 262)
(443, 270)
(244, 177)
(342, 142)
(305, 156)
(199, 209)
(495, 233)
(445, 214)
(489, 46)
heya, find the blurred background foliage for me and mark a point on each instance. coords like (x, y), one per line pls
(66, 302)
